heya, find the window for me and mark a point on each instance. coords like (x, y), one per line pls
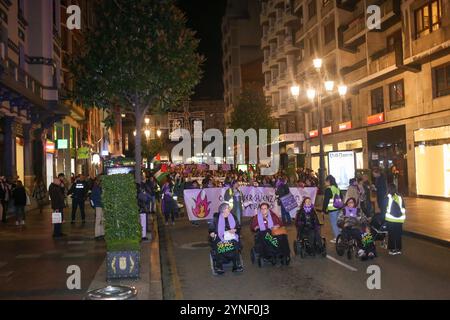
(428, 18)
(312, 9)
(329, 32)
(441, 81)
(313, 46)
(347, 110)
(300, 17)
(314, 120)
(392, 39)
(328, 116)
(397, 95)
(377, 101)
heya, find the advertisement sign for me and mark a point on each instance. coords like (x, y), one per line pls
(83, 153)
(50, 147)
(377, 118)
(63, 144)
(342, 166)
(201, 204)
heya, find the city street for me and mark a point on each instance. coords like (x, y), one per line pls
(420, 273)
(33, 265)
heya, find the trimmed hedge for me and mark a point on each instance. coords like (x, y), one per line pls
(122, 226)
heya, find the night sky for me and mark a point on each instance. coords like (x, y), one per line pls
(205, 17)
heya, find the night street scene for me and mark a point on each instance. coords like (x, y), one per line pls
(224, 156)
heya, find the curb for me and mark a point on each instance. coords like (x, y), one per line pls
(437, 241)
(156, 290)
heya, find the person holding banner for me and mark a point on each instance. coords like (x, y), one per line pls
(282, 190)
(235, 198)
(271, 240)
(224, 232)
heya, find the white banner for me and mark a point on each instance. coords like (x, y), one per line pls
(201, 204)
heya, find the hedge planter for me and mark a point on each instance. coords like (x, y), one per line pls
(123, 228)
(123, 265)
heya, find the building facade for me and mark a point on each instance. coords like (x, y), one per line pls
(242, 54)
(397, 110)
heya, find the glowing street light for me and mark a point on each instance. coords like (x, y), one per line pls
(295, 91)
(147, 133)
(317, 63)
(311, 94)
(342, 89)
(147, 121)
(159, 133)
(329, 86)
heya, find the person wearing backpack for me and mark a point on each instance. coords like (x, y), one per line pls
(332, 204)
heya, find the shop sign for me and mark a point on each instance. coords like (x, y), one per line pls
(50, 147)
(327, 130)
(377, 118)
(83, 153)
(345, 126)
(314, 133)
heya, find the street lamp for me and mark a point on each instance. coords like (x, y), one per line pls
(312, 94)
(159, 133)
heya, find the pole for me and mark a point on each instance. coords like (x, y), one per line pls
(322, 150)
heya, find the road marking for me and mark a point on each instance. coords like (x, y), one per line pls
(342, 264)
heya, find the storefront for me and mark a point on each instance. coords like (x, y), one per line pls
(50, 150)
(20, 158)
(387, 151)
(432, 160)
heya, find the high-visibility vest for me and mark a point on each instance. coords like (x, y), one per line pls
(389, 216)
(335, 191)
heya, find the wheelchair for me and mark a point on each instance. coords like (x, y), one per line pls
(303, 248)
(272, 259)
(346, 244)
(228, 265)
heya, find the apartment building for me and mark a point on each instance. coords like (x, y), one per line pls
(241, 36)
(397, 110)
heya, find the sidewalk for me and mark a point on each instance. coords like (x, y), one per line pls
(428, 218)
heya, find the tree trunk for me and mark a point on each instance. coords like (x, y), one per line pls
(138, 146)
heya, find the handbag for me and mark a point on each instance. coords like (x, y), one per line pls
(279, 231)
(56, 217)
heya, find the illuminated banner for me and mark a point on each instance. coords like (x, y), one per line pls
(83, 153)
(377, 118)
(201, 204)
(342, 166)
(63, 144)
(345, 126)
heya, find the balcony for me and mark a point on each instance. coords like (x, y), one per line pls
(290, 19)
(20, 81)
(355, 29)
(265, 42)
(381, 60)
(289, 46)
(354, 72)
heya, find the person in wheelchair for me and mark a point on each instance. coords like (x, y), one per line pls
(308, 226)
(224, 238)
(352, 222)
(271, 241)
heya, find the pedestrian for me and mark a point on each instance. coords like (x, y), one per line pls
(235, 198)
(78, 191)
(40, 193)
(20, 201)
(354, 191)
(332, 204)
(151, 187)
(168, 204)
(5, 196)
(380, 187)
(366, 201)
(57, 203)
(282, 190)
(96, 197)
(395, 218)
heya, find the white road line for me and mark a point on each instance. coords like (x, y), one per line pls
(342, 264)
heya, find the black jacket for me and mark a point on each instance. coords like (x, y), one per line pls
(214, 224)
(78, 190)
(20, 197)
(56, 196)
(326, 200)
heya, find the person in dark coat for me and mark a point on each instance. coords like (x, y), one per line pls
(5, 197)
(308, 225)
(282, 189)
(381, 188)
(78, 190)
(20, 201)
(57, 202)
(168, 204)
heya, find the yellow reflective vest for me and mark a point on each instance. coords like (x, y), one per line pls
(399, 201)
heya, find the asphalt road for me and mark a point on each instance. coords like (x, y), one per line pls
(422, 272)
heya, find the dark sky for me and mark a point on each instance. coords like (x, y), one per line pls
(205, 17)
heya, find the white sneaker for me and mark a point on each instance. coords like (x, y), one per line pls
(361, 253)
(398, 253)
(392, 253)
(333, 241)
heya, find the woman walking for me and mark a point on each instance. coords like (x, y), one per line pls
(40, 193)
(332, 204)
(20, 201)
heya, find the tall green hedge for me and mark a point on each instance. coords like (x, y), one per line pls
(122, 226)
